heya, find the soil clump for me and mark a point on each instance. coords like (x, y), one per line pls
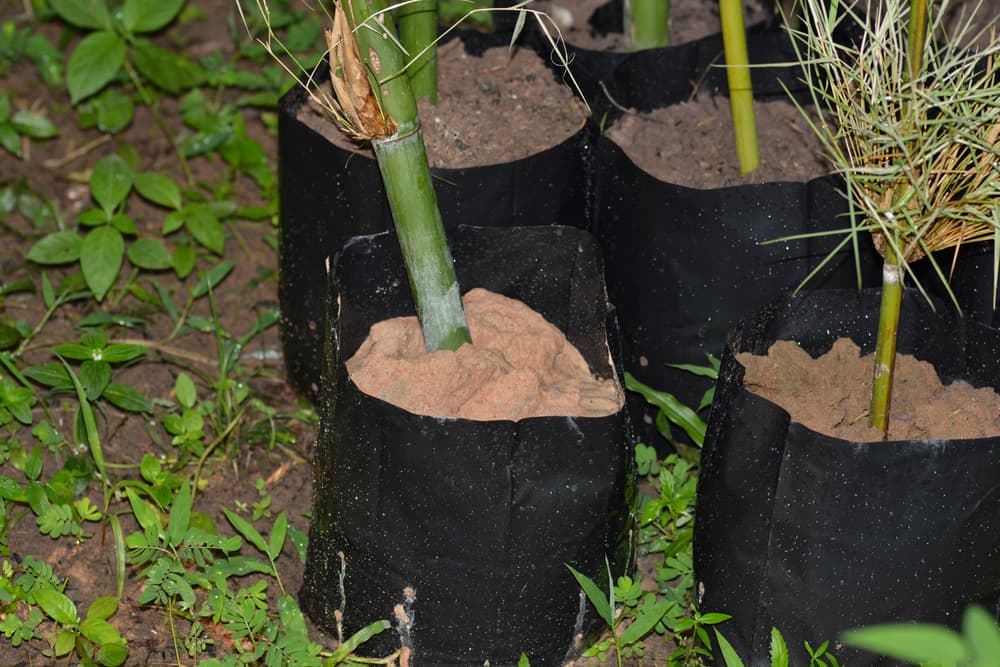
(518, 366)
(830, 394)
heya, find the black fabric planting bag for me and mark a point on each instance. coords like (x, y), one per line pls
(477, 519)
(815, 535)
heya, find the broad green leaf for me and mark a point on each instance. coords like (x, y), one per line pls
(101, 259)
(33, 464)
(158, 189)
(172, 222)
(95, 376)
(180, 516)
(244, 528)
(115, 111)
(96, 61)
(184, 260)
(186, 392)
(34, 125)
(111, 655)
(57, 606)
(124, 223)
(206, 229)
(9, 337)
(50, 375)
(213, 278)
(983, 636)
(172, 71)
(646, 619)
(10, 140)
(86, 414)
(99, 631)
(9, 490)
(676, 412)
(110, 182)
(93, 217)
(56, 248)
(597, 597)
(103, 607)
(351, 644)
(77, 352)
(150, 254)
(48, 294)
(913, 642)
(779, 650)
(292, 619)
(144, 513)
(240, 566)
(116, 353)
(704, 371)
(276, 540)
(149, 15)
(65, 642)
(89, 14)
(713, 618)
(728, 653)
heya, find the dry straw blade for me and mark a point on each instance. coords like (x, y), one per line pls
(920, 155)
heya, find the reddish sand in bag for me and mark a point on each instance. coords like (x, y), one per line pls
(518, 366)
(831, 394)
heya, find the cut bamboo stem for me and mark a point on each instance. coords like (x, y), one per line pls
(402, 161)
(734, 41)
(647, 24)
(418, 34)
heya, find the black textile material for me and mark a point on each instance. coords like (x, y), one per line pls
(479, 518)
(329, 194)
(813, 534)
(685, 265)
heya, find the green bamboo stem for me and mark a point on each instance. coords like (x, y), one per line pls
(647, 24)
(734, 41)
(892, 267)
(915, 37)
(402, 161)
(417, 32)
(885, 344)
(422, 239)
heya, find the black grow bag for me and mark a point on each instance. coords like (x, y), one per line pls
(684, 265)
(478, 518)
(813, 534)
(330, 194)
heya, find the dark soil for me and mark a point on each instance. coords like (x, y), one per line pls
(692, 143)
(504, 105)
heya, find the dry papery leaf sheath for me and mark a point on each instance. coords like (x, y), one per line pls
(360, 113)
